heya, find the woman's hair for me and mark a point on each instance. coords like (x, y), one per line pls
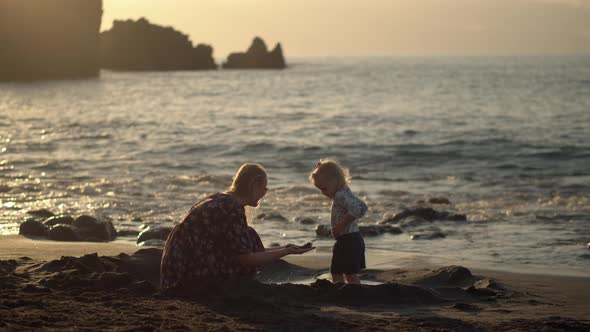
(247, 175)
(328, 168)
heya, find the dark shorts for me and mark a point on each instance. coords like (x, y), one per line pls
(348, 255)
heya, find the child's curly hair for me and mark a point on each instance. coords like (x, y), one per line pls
(330, 168)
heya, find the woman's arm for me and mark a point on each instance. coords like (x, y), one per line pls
(281, 247)
(269, 256)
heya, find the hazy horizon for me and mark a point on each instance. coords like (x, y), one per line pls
(381, 27)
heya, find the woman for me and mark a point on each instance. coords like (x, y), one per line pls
(213, 240)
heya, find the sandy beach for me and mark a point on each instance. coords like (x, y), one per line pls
(113, 286)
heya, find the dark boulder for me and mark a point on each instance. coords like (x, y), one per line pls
(412, 222)
(66, 228)
(271, 216)
(127, 232)
(374, 230)
(33, 227)
(62, 232)
(154, 233)
(92, 229)
(428, 236)
(439, 200)
(49, 39)
(305, 220)
(424, 213)
(51, 221)
(140, 45)
(257, 56)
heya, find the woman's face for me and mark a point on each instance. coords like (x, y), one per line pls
(259, 189)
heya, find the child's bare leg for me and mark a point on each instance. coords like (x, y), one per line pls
(352, 278)
(337, 278)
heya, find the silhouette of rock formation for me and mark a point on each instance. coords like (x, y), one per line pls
(66, 228)
(49, 39)
(257, 56)
(141, 45)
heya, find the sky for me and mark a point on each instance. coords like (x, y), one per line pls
(372, 27)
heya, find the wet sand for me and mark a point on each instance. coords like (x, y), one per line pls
(115, 289)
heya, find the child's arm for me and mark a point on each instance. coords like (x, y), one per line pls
(344, 222)
(355, 208)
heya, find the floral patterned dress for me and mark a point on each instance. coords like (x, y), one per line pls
(207, 240)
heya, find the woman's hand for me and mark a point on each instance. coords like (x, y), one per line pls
(297, 250)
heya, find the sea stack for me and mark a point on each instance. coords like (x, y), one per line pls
(257, 56)
(49, 39)
(142, 46)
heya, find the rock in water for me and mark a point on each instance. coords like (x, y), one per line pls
(374, 230)
(257, 56)
(305, 220)
(62, 232)
(33, 227)
(51, 221)
(428, 236)
(49, 39)
(271, 216)
(141, 45)
(439, 200)
(92, 229)
(154, 233)
(424, 213)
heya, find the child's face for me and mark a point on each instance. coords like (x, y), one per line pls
(327, 186)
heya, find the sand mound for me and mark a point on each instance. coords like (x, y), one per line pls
(321, 291)
(137, 273)
(94, 292)
(446, 276)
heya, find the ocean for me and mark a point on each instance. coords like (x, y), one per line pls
(505, 139)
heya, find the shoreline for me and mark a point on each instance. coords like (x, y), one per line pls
(16, 246)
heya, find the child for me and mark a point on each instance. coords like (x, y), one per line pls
(348, 254)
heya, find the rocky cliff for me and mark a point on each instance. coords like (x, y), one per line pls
(257, 56)
(141, 45)
(49, 39)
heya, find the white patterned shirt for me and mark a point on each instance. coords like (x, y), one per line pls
(346, 202)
